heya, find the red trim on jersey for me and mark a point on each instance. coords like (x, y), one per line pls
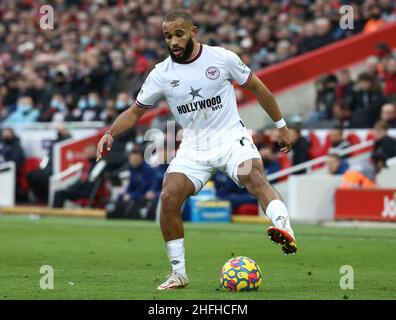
(196, 56)
(142, 105)
(248, 79)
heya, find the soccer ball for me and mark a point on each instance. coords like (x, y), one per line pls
(240, 274)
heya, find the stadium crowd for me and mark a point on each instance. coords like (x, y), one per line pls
(92, 64)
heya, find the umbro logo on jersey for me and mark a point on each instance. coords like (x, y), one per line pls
(175, 83)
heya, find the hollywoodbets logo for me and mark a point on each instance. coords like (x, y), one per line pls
(214, 103)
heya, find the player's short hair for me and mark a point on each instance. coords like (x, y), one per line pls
(178, 14)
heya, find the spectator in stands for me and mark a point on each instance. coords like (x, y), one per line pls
(325, 97)
(57, 110)
(324, 32)
(300, 148)
(344, 89)
(337, 140)
(159, 168)
(140, 179)
(89, 108)
(39, 179)
(336, 164)
(226, 189)
(25, 111)
(342, 115)
(83, 188)
(383, 142)
(87, 52)
(110, 113)
(308, 38)
(372, 67)
(390, 79)
(11, 150)
(375, 20)
(122, 102)
(269, 159)
(364, 174)
(367, 102)
(387, 7)
(388, 114)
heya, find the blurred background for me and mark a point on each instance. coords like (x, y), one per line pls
(61, 88)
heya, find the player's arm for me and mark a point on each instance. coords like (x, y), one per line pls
(269, 104)
(122, 123)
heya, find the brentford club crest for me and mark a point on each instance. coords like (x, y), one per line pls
(212, 73)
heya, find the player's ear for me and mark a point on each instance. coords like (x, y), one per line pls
(194, 30)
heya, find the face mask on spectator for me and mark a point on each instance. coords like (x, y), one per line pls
(84, 40)
(82, 104)
(23, 107)
(139, 139)
(92, 103)
(120, 105)
(61, 107)
(54, 103)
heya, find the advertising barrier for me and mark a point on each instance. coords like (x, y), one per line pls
(365, 204)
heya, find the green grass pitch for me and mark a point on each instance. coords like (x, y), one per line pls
(102, 259)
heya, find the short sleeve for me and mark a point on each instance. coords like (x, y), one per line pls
(237, 70)
(151, 91)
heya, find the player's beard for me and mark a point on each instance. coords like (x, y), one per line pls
(186, 52)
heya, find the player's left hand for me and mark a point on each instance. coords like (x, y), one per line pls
(284, 139)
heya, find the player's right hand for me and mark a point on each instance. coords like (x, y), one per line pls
(105, 142)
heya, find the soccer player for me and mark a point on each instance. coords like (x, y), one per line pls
(196, 80)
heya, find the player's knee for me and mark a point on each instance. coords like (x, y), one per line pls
(169, 198)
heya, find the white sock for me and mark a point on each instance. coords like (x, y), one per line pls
(279, 216)
(175, 250)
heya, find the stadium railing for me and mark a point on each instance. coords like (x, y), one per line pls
(309, 165)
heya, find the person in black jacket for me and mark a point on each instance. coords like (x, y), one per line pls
(367, 102)
(383, 142)
(300, 152)
(39, 179)
(82, 188)
(11, 150)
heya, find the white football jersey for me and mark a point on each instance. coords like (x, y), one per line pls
(200, 94)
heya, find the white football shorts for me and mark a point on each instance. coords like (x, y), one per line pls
(200, 165)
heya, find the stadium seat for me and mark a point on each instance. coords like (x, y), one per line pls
(354, 139)
(315, 147)
(247, 209)
(30, 164)
(327, 144)
(284, 162)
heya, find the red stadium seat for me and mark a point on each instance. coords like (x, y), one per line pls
(284, 162)
(30, 164)
(327, 145)
(315, 147)
(247, 209)
(370, 136)
(353, 138)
